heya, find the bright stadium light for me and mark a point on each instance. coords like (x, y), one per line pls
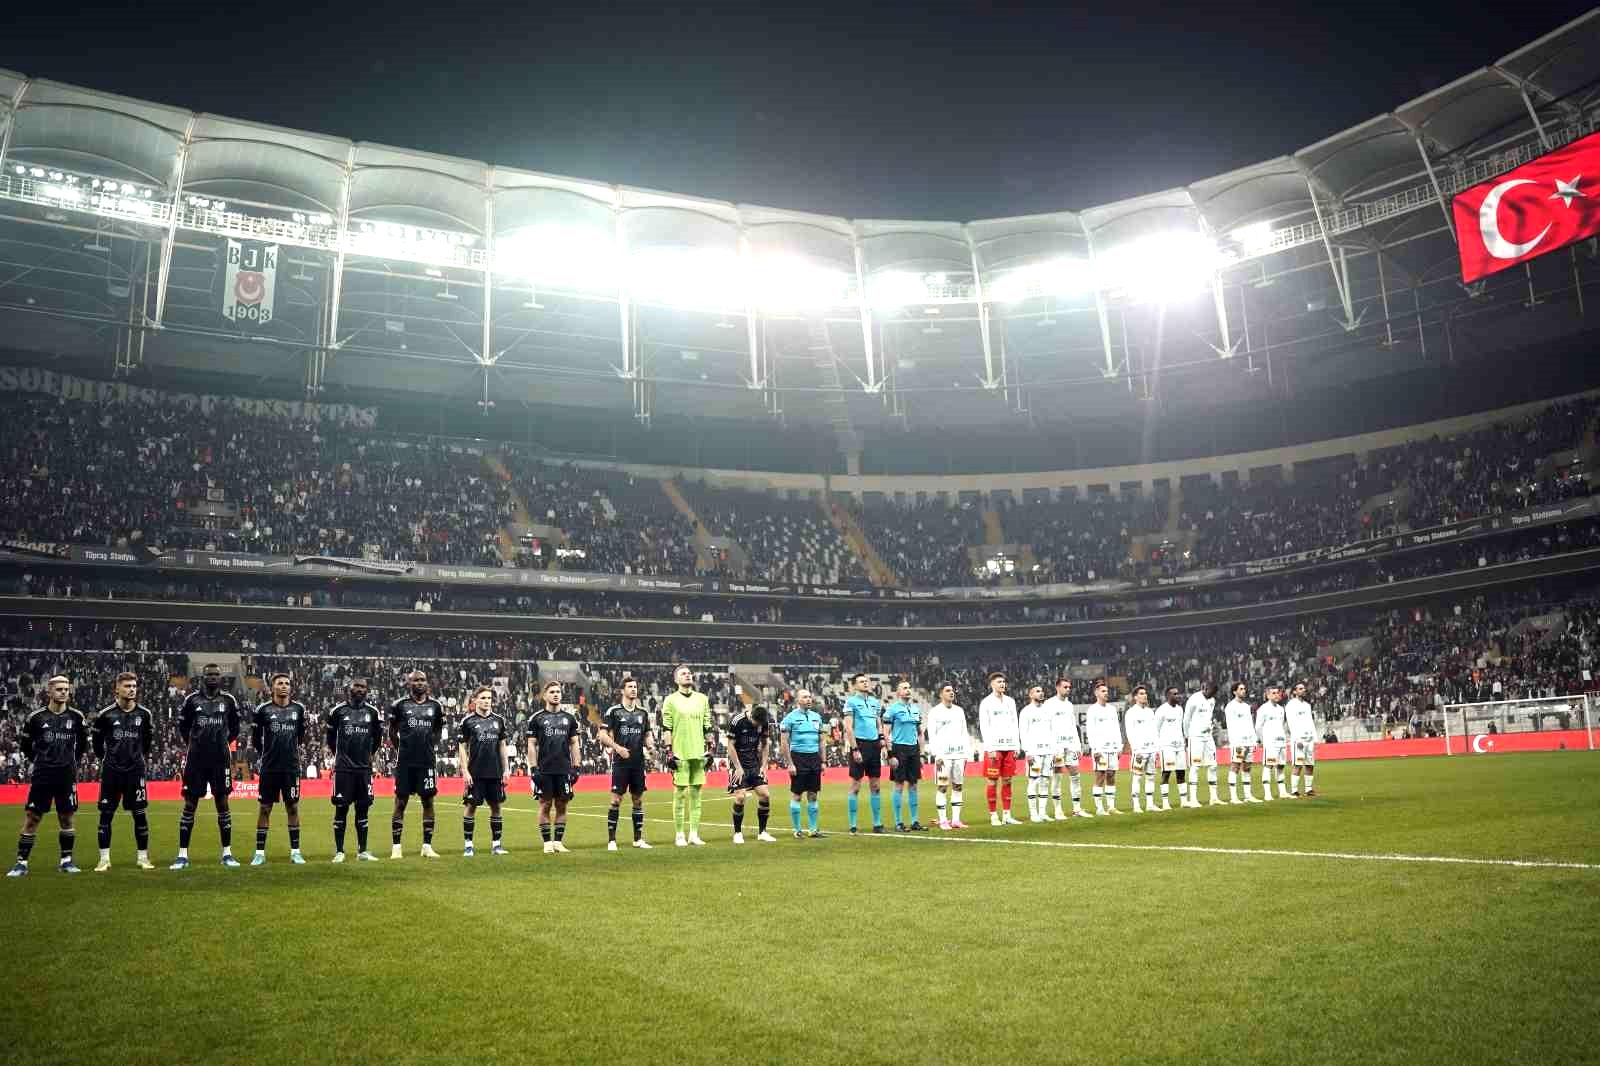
(1065, 276)
(688, 277)
(787, 283)
(894, 289)
(1256, 237)
(577, 258)
(1160, 268)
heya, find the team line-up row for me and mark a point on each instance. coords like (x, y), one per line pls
(1165, 742)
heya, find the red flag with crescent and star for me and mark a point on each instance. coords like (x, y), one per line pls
(1545, 204)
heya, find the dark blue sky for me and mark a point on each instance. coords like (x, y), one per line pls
(931, 111)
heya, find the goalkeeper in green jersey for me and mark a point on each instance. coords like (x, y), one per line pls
(686, 724)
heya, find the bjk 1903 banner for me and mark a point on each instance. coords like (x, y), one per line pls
(1545, 204)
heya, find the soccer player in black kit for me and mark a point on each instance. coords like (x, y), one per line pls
(486, 760)
(354, 735)
(209, 723)
(54, 738)
(623, 732)
(123, 734)
(750, 745)
(416, 722)
(553, 759)
(277, 729)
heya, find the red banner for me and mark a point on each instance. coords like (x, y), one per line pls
(322, 788)
(1545, 204)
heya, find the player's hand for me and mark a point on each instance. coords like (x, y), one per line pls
(620, 756)
(894, 762)
(855, 754)
(672, 764)
(572, 779)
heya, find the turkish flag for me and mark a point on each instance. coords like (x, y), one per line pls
(1545, 204)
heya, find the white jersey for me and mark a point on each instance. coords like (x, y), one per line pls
(1169, 726)
(1038, 729)
(997, 723)
(1197, 714)
(1241, 724)
(1140, 722)
(1301, 724)
(1065, 718)
(1105, 731)
(947, 732)
(1270, 725)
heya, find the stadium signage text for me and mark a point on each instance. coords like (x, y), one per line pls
(70, 387)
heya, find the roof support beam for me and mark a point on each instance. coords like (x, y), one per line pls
(752, 316)
(866, 312)
(174, 210)
(1336, 264)
(488, 358)
(988, 380)
(1433, 179)
(11, 120)
(342, 220)
(1101, 311)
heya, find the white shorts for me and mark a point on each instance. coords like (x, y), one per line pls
(1203, 749)
(1305, 751)
(1143, 761)
(1072, 749)
(1039, 765)
(1272, 749)
(950, 771)
(1172, 757)
(1243, 752)
(1107, 760)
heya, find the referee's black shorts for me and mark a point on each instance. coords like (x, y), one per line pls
(871, 764)
(908, 766)
(807, 773)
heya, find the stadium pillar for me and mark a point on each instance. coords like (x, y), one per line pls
(11, 120)
(488, 268)
(337, 292)
(1340, 281)
(983, 312)
(178, 165)
(866, 310)
(1433, 179)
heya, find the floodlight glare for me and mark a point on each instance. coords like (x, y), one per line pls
(1065, 276)
(577, 258)
(687, 277)
(894, 289)
(1161, 267)
(1254, 237)
(787, 283)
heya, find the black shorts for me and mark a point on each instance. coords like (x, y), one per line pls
(485, 790)
(123, 786)
(278, 785)
(196, 779)
(418, 779)
(552, 786)
(871, 764)
(807, 773)
(352, 786)
(628, 776)
(746, 781)
(909, 769)
(57, 788)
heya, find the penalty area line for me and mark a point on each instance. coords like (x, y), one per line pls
(1290, 853)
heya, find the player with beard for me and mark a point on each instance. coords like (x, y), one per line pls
(124, 733)
(354, 735)
(209, 723)
(1198, 713)
(416, 723)
(553, 760)
(486, 761)
(54, 739)
(276, 730)
(623, 732)
(749, 749)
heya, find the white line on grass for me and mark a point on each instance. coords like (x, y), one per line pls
(1453, 860)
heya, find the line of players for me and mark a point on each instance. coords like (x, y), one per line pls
(1043, 737)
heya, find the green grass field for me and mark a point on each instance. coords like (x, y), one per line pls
(867, 949)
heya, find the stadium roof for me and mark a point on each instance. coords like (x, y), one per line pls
(628, 296)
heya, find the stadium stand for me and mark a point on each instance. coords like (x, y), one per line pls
(784, 539)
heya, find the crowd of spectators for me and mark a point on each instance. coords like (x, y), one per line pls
(926, 543)
(785, 540)
(1078, 541)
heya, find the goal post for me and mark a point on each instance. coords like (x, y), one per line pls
(1467, 726)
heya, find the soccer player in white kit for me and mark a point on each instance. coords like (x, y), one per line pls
(1303, 738)
(951, 744)
(1069, 749)
(1002, 743)
(1240, 720)
(1272, 728)
(1169, 740)
(1105, 741)
(1140, 724)
(1038, 729)
(1202, 745)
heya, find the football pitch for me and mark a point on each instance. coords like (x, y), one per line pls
(1314, 930)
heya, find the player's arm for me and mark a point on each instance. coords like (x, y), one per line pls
(235, 721)
(505, 755)
(258, 729)
(575, 752)
(80, 726)
(788, 756)
(850, 729)
(26, 738)
(147, 735)
(766, 751)
(608, 741)
(667, 706)
(301, 721)
(533, 750)
(186, 719)
(330, 735)
(394, 725)
(461, 755)
(98, 739)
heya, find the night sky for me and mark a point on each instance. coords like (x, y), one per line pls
(952, 111)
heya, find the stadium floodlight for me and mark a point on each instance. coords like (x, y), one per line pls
(894, 289)
(1161, 267)
(1066, 276)
(788, 283)
(576, 258)
(1256, 237)
(688, 277)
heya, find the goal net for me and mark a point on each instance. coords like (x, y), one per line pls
(1473, 726)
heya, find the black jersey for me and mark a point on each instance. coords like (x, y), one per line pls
(553, 731)
(209, 725)
(416, 726)
(628, 728)
(482, 734)
(747, 737)
(354, 734)
(55, 741)
(122, 739)
(276, 732)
